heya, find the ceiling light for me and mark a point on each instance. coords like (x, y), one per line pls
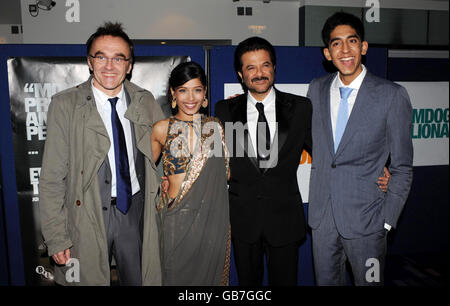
(45, 4)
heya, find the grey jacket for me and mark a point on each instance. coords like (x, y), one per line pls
(379, 127)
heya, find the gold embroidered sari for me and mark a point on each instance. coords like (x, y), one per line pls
(194, 227)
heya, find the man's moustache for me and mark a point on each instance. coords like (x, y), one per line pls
(260, 79)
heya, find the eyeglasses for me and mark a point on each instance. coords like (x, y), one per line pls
(115, 60)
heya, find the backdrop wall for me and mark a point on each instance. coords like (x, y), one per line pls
(423, 227)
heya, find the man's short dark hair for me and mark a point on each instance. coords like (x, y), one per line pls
(341, 18)
(114, 29)
(252, 44)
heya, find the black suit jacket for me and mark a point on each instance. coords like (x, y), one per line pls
(268, 203)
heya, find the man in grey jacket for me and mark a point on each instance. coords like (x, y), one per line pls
(98, 183)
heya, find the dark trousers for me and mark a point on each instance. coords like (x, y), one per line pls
(124, 236)
(282, 263)
(331, 251)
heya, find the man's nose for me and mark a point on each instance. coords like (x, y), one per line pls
(109, 63)
(345, 47)
(258, 72)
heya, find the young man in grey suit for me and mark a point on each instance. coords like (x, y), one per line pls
(359, 122)
(98, 182)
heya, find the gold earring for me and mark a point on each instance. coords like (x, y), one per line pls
(174, 102)
(205, 102)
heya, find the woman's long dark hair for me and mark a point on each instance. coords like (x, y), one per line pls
(183, 73)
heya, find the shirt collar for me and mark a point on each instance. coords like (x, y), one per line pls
(355, 84)
(266, 101)
(104, 97)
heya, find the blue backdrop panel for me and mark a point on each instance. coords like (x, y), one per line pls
(4, 269)
(9, 216)
(418, 69)
(423, 225)
(295, 65)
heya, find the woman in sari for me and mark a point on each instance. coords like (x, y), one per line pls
(193, 213)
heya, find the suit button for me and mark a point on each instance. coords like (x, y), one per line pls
(105, 208)
(333, 165)
(106, 182)
(259, 197)
(78, 202)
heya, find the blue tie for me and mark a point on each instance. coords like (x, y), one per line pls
(342, 115)
(123, 182)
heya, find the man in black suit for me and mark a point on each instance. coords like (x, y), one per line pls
(266, 208)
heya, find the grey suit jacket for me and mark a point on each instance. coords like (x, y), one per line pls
(379, 126)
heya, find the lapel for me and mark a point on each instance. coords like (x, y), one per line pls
(95, 140)
(133, 140)
(360, 111)
(283, 116)
(325, 111)
(239, 112)
(141, 119)
(284, 112)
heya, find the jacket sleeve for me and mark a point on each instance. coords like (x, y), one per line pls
(308, 135)
(219, 112)
(52, 181)
(401, 152)
(308, 139)
(157, 113)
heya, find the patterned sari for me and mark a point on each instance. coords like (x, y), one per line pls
(194, 227)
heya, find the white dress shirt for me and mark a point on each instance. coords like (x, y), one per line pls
(269, 112)
(335, 98)
(104, 109)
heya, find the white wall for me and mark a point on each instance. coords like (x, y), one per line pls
(6, 37)
(165, 19)
(183, 19)
(439, 5)
(10, 15)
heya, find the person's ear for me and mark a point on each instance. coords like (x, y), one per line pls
(240, 76)
(130, 66)
(327, 54)
(364, 47)
(89, 63)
